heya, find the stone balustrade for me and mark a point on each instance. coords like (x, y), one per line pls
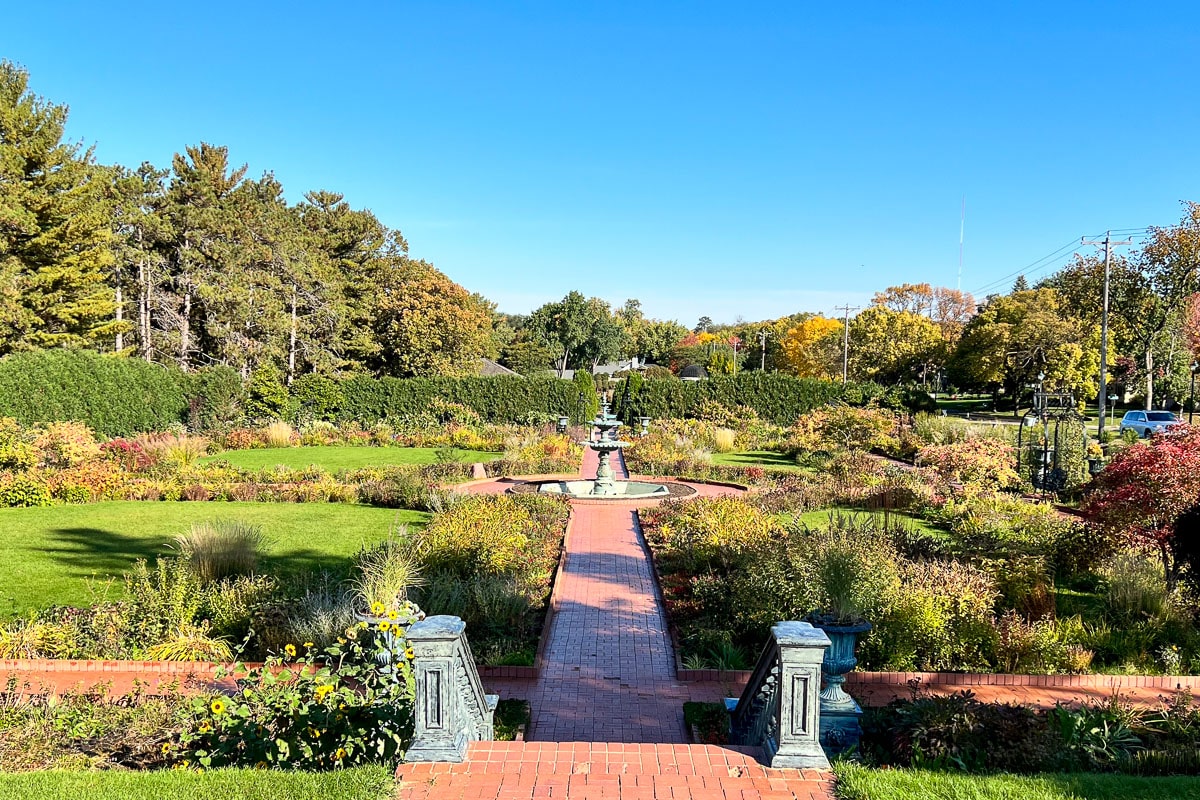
(780, 708)
(451, 708)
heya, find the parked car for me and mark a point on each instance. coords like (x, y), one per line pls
(1148, 422)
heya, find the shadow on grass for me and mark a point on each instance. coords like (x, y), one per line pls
(95, 551)
(758, 459)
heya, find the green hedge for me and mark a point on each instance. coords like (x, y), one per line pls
(115, 396)
(502, 398)
(778, 398)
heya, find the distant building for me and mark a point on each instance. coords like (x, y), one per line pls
(489, 368)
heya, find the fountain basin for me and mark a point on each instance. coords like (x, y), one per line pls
(617, 490)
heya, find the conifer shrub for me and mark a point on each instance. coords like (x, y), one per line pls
(112, 395)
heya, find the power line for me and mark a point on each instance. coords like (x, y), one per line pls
(1051, 259)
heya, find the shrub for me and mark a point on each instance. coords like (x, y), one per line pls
(842, 427)
(266, 396)
(17, 449)
(724, 533)
(316, 397)
(23, 491)
(215, 396)
(348, 704)
(112, 395)
(938, 618)
(221, 549)
(979, 464)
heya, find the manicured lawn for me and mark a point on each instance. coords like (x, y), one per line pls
(820, 519)
(859, 783)
(360, 783)
(335, 458)
(757, 458)
(52, 556)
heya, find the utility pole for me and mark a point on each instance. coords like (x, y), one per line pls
(846, 309)
(1103, 398)
(762, 343)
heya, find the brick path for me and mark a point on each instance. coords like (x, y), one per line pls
(587, 771)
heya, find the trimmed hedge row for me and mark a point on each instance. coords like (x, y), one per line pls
(501, 398)
(118, 396)
(113, 396)
(774, 397)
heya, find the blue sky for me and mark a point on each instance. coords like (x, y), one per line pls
(723, 159)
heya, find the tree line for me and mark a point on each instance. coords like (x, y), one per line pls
(198, 264)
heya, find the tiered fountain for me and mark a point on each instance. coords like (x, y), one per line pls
(604, 442)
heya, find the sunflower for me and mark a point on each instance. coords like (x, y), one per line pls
(377, 609)
(385, 626)
(218, 706)
(340, 754)
(393, 615)
(290, 649)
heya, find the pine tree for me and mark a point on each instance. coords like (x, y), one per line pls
(54, 228)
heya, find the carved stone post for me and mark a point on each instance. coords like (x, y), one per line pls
(801, 650)
(450, 706)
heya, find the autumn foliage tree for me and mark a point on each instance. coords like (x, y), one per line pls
(1146, 489)
(812, 348)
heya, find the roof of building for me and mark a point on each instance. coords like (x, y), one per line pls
(489, 368)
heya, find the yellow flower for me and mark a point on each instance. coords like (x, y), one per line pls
(384, 626)
(409, 654)
(351, 633)
(392, 615)
(308, 644)
(218, 706)
(323, 691)
(166, 748)
(377, 609)
(205, 727)
(290, 649)
(340, 754)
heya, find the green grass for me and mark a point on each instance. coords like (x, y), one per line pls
(57, 555)
(820, 519)
(359, 783)
(334, 458)
(757, 458)
(859, 783)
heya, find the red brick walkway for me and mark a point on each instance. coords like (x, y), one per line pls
(585, 771)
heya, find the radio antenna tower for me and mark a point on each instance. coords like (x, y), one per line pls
(962, 224)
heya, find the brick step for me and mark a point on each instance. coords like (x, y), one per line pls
(519, 770)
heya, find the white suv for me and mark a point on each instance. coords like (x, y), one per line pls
(1148, 422)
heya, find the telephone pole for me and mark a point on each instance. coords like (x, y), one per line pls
(762, 343)
(846, 309)
(1103, 399)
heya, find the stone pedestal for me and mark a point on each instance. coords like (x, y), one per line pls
(450, 708)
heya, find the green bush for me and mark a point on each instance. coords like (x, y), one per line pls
(774, 397)
(349, 704)
(502, 398)
(266, 397)
(316, 397)
(215, 396)
(114, 396)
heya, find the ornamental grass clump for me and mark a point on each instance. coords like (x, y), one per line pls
(386, 572)
(221, 548)
(278, 434)
(845, 570)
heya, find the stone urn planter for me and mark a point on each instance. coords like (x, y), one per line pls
(1095, 465)
(840, 728)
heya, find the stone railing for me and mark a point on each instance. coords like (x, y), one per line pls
(451, 708)
(779, 710)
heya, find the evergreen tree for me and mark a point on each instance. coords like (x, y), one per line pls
(54, 228)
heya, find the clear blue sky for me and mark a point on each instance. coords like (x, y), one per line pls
(722, 159)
